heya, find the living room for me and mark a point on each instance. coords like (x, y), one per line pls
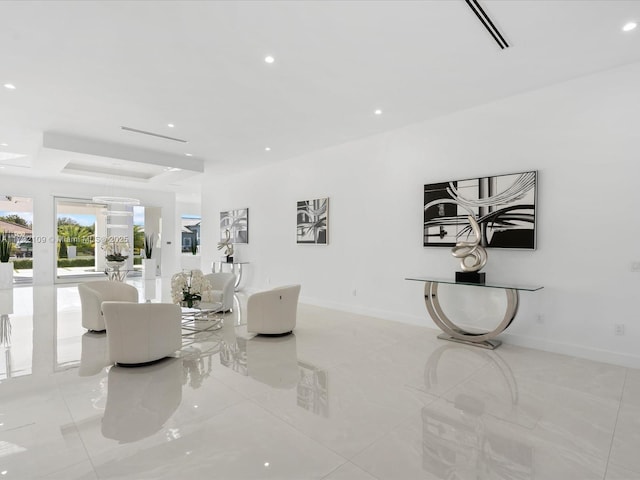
(359, 107)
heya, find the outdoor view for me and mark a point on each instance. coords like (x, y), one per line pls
(76, 242)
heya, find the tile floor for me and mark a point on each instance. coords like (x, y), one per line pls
(347, 397)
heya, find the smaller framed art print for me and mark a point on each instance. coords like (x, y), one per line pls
(312, 224)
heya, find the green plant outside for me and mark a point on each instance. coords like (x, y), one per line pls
(5, 248)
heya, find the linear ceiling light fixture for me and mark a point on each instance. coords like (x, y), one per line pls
(488, 24)
(144, 132)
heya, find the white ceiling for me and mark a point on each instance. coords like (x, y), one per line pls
(84, 69)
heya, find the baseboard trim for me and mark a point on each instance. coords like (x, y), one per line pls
(597, 355)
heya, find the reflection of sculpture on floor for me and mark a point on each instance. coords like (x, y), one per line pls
(460, 435)
(141, 400)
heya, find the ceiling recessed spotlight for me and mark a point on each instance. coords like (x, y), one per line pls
(189, 154)
(629, 26)
(1, 167)
(170, 125)
(4, 144)
(269, 59)
(267, 149)
(10, 86)
(378, 112)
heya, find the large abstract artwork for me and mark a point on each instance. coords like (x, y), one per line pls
(237, 222)
(313, 222)
(504, 206)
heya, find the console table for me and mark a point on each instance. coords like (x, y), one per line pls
(453, 332)
(236, 268)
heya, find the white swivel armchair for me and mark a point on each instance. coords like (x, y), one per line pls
(141, 333)
(92, 294)
(273, 312)
(223, 284)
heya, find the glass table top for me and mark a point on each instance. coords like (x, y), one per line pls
(526, 288)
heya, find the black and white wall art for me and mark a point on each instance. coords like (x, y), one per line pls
(503, 205)
(312, 225)
(237, 222)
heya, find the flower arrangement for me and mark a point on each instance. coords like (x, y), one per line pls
(190, 288)
(116, 248)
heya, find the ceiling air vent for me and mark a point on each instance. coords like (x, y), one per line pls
(488, 24)
(143, 132)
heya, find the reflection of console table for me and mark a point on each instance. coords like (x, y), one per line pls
(235, 267)
(457, 334)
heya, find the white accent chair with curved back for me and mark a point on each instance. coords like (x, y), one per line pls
(223, 284)
(92, 294)
(273, 312)
(141, 333)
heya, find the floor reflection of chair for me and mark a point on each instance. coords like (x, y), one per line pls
(141, 400)
(94, 356)
(273, 360)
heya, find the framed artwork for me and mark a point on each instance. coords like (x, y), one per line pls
(312, 225)
(237, 222)
(503, 205)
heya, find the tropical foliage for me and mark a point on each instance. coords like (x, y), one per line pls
(5, 248)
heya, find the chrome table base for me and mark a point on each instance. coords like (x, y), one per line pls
(453, 332)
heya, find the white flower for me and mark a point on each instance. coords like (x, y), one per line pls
(192, 283)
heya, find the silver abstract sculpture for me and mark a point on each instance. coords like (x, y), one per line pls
(226, 244)
(473, 256)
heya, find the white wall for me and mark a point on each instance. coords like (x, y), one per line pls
(44, 193)
(582, 136)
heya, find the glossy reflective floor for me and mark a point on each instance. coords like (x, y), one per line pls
(346, 397)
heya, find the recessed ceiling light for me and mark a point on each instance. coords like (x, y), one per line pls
(627, 28)
(267, 149)
(1, 167)
(4, 144)
(378, 112)
(189, 154)
(10, 86)
(172, 169)
(170, 125)
(269, 59)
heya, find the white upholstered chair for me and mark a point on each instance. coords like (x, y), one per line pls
(92, 294)
(141, 333)
(222, 284)
(273, 312)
